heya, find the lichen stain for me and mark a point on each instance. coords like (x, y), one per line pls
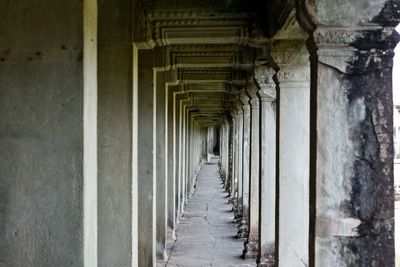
(5, 54)
(372, 200)
(38, 55)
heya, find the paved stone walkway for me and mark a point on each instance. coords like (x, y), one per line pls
(206, 233)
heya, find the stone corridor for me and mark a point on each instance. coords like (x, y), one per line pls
(206, 233)
(109, 109)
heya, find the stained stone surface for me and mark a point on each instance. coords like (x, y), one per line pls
(206, 233)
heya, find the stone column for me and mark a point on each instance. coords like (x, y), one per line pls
(231, 139)
(251, 244)
(351, 193)
(267, 93)
(145, 163)
(244, 223)
(226, 151)
(238, 213)
(234, 157)
(184, 155)
(171, 92)
(221, 150)
(115, 97)
(160, 156)
(294, 112)
(178, 97)
(181, 155)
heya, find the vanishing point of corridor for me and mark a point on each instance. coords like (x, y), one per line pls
(206, 233)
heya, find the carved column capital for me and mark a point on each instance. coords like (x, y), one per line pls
(238, 107)
(264, 77)
(244, 98)
(289, 52)
(252, 91)
(267, 94)
(292, 58)
(354, 49)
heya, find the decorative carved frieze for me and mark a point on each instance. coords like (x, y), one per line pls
(335, 36)
(183, 27)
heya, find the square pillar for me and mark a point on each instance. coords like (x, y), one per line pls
(244, 223)
(293, 80)
(251, 244)
(351, 192)
(268, 161)
(145, 161)
(115, 122)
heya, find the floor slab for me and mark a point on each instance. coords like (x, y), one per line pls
(206, 232)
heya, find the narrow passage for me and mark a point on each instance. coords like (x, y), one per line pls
(206, 233)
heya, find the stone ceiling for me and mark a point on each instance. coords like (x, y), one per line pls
(209, 47)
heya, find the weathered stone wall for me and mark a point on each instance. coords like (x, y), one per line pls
(351, 51)
(42, 132)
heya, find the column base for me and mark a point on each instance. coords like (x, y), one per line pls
(238, 215)
(250, 248)
(266, 261)
(243, 231)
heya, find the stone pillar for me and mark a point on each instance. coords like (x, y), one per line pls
(183, 155)
(234, 158)
(179, 99)
(226, 151)
(231, 142)
(190, 157)
(171, 92)
(238, 213)
(351, 193)
(146, 182)
(115, 97)
(160, 156)
(210, 141)
(268, 160)
(294, 111)
(244, 223)
(251, 244)
(48, 126)
(221, 150)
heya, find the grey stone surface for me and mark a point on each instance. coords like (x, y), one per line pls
(146, 192)
(115, 135)
(205, 235)
(41, 133)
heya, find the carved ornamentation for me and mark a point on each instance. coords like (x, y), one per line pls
(335, 36)
(263, 76)
(293, 76)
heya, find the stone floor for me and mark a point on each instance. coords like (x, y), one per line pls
(206, 233)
